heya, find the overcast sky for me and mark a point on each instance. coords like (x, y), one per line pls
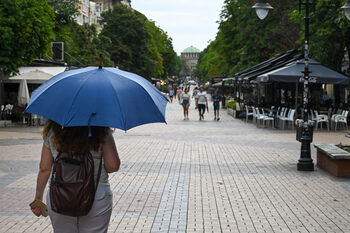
(187, 22)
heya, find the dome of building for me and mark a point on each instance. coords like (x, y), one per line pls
(191, 49)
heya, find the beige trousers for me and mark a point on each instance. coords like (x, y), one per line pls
(96, 221)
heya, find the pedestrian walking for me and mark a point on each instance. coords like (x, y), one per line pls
(216, 98)
(178, 93)
(78, 145)
(201, 102)
(76, 140)
(185, 102)
(171, 94)
(195, 92)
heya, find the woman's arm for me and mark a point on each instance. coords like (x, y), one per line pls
(46, 162)
(110, 155)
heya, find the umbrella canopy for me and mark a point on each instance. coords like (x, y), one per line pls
(95, 96)
(23, 93)
(292, 73)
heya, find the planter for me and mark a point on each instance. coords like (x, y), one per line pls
(333, 159)
(231, 112)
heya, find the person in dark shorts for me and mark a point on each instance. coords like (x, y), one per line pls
(171, 94)
(185, 102)
(201, 102)
(216, 98)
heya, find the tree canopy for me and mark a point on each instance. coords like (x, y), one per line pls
(25, 32)
(138, 45)
(243, 40)
(329, 32)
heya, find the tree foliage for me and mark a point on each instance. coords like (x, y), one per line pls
(329, 32)
(138, 45)
(25, 32)
(65, 10)
(243, 40)
(82, 44)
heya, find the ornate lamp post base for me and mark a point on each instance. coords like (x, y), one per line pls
(305, 135)
(305, 165)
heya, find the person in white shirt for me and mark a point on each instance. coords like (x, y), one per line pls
(201, 102)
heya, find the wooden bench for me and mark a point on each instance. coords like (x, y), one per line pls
(333, 159)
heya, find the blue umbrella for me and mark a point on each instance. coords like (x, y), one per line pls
(95, 96)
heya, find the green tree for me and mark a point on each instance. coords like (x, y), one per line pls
(65, 10)
(83, 45)
(138, 45)
(129, 48)
(82, 42)
(25, 32)
(160, 44)
(244, 40)
(329, 32)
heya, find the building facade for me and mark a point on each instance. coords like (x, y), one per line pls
(90, 11)
(189, 59)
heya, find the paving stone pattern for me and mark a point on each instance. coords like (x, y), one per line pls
(193, 176)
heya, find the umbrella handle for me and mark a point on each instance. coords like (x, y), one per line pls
(100, 61)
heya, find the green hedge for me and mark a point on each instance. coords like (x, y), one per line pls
(231, 104)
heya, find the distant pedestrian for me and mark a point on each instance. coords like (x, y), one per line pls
(171, 94)
(201, 103)
(195, 92)
(60, 140)
(178, 92)
(216, 98)
(185, 102)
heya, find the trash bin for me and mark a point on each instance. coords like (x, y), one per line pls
(300, 129)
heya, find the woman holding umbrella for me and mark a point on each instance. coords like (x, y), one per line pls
(82, 104)
(58, 139)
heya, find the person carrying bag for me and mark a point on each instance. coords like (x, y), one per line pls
(80, 198)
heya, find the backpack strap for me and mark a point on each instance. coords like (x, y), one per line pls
(99, 173)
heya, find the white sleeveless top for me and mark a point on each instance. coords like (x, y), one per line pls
(96, 155)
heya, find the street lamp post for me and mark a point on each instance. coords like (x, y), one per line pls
(305, 162)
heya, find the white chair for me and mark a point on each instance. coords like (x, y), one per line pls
(289, 118)
(341, 119)
(321, 118)
(259, 116)
(247, 113)
(269, 117)
(312, 115)
(336, 114)
(283, 114)
(254, 115)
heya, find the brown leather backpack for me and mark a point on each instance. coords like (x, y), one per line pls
(72, 186)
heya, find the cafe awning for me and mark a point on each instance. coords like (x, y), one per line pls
(293, 73)
(35, 74)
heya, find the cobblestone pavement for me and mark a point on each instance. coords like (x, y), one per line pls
(193, 176)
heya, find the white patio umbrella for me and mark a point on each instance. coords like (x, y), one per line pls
(23, 93)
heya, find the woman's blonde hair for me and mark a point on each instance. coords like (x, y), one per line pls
(75, 139)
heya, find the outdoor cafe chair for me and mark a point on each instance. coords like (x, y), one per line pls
(321, 118)
(269, 117)
(282, 115)
(335, 114)
(254, 115)
(247, 113)
(289, 118)
(259, 116)
(341, 119)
